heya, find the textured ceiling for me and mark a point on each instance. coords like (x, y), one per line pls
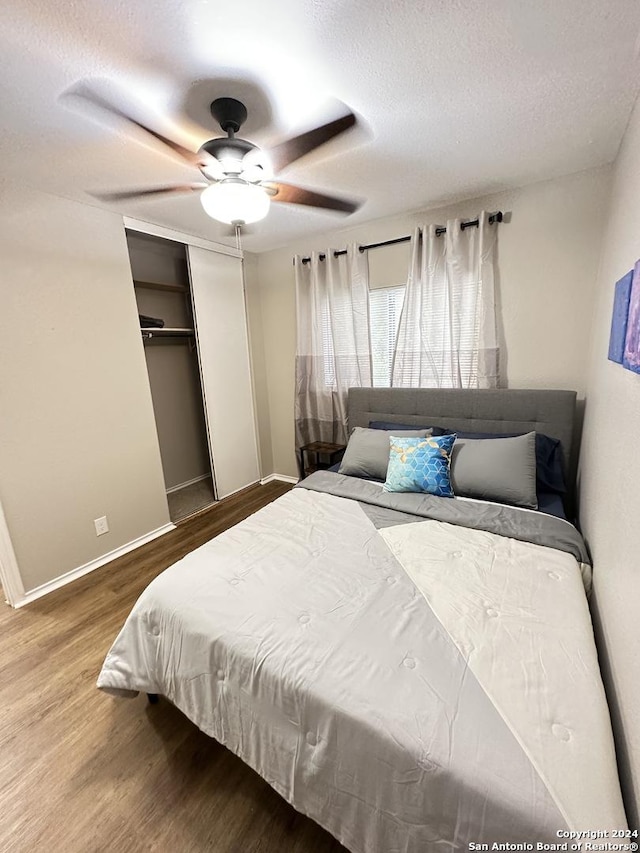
(458, 98)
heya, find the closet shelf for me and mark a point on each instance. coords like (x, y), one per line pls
(167, 333)
(156, 285)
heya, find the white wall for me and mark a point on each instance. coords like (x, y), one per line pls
(548, 258)
(610, 477)
(77, 434)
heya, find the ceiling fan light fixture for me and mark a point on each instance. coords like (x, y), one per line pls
(235, 202)
(235, 168)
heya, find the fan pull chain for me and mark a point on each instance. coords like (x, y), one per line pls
(238, 240)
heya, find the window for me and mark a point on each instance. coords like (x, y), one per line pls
(385, 307)
(437, 331)
(449, 366)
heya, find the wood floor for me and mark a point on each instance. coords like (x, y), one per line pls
(81, 772)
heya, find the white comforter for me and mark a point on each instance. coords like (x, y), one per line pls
(414, 689)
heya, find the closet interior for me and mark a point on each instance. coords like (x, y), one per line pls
(163, 294)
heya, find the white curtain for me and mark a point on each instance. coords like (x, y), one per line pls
(333, 349)
(447, 331)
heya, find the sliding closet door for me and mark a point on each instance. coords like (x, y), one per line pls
(221, 330)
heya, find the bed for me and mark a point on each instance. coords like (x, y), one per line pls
(416, 673)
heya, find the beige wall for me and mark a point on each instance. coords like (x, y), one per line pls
(548, 258)
(610, 476)
(77, 434)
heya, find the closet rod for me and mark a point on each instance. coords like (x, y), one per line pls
(493, 217)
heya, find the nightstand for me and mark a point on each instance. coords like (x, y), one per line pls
(320, 455)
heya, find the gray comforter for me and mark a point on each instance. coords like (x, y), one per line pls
(404, 686)
(401, 507)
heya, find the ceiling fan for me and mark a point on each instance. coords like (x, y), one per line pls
(238, 186)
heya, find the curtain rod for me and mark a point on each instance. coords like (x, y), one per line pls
(493, 217)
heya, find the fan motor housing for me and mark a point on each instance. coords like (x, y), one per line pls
(232, 148)
(222, 147)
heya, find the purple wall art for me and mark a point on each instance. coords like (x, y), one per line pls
(631, 358)
(619, 318)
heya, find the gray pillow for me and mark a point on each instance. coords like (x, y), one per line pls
(496, 469)
(367, 453)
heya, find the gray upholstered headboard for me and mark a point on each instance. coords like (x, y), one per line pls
(497, 411)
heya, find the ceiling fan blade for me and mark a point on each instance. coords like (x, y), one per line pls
(292, 149)
(298, 195)
(142, 193)
(185, 154)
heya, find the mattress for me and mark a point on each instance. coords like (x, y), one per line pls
(414, 673)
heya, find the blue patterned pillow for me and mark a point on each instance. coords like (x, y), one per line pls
(420, 465)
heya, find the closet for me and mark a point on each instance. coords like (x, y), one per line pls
(192, 318)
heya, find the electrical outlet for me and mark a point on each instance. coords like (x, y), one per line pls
(101, 525)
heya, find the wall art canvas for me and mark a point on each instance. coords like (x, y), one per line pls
(631, 358)
(619, 317)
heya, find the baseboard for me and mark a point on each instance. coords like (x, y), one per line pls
(284, 478)
(188, 483)
(74, 574)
